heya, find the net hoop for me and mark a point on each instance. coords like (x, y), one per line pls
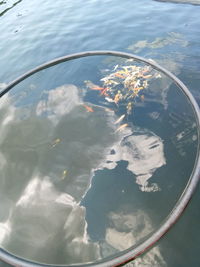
(134, 251)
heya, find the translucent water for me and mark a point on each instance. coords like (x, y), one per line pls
(82, 164)
(63, 165)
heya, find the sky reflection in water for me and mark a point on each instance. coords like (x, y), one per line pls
(46, 215)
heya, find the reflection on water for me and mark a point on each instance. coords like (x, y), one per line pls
(46, 223)
(182, 138)
(125, 229)
(153, 258)
(159, 42)
(171, 61)
(42, 218)
(144, 153)
(41, 40)
(59, 101)
(57, 144)
(155, 49)
(43, 205)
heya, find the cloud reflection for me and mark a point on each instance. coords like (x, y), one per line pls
(158, 91)
(45, 218)
(5, 230)
(126, 229)
(59, 101)
(144, 152)
(151, 258)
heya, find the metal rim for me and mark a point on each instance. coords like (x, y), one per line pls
(170, 220)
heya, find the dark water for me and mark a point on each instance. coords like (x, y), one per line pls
(32, 33)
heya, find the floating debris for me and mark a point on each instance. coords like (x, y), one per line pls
(116, 67)
(55, 142)
(118, 96)
(123, 85)
(65, 172)
(91, 85)
(109, 110)
(120, 119)
(109, 99)
(158, 75)
(117, 74)
(110, 82)
(145, 84)
(147, 76)
(89, 109)
(103, 92)
(97, 88)
(120, 128)
(129, 108)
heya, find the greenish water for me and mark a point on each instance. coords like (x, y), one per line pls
(74, 187)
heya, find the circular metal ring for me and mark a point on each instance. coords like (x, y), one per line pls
(133, 252)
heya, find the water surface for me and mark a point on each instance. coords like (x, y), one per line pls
(165, 32)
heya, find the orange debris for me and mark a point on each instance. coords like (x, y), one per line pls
(89, 109)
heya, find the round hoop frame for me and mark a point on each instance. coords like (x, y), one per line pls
(133, 252)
